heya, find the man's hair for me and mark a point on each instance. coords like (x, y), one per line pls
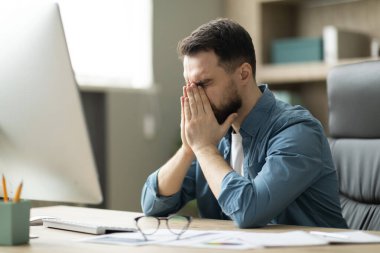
(229, 40)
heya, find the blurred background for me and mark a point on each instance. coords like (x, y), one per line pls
(124, 55)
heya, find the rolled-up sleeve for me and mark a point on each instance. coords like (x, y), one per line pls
(154, 204)
(293, 163)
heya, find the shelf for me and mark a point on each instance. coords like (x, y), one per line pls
(292, 73)
(269, 20)
(301, 72)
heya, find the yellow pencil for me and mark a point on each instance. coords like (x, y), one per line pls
(5, 190)
(18, 193)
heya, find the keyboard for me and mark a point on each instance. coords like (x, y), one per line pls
(81, 227)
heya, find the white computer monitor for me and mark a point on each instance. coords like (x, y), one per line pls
(43, 135)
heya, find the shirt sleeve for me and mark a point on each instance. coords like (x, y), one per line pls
(154, 204)
(293, 163)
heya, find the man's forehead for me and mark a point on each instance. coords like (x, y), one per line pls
(195, 73)
(199, 66)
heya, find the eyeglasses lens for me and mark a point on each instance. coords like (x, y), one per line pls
(148, 225)
(178, 224)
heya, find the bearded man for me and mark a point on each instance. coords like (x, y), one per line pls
(245, 155)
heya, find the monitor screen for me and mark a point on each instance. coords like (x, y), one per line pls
(43, 136)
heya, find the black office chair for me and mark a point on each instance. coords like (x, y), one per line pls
(354, 122)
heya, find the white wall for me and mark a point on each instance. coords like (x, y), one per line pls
(130, 156)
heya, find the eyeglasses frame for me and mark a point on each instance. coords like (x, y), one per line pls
(159, 219)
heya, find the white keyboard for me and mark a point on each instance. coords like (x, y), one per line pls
(84, 227)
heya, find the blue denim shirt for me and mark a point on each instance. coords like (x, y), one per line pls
(289, 175)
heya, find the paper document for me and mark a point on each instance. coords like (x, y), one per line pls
(285, 239)
(160, 237)
(215, 240)
(347, 237)
(212, 239)
(236, 240)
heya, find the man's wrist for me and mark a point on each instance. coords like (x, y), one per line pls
(206, 150)
(187, 152)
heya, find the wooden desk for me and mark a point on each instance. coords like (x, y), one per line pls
(56, 241)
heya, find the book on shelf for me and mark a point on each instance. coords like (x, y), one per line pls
(296, 50)
(344, 44)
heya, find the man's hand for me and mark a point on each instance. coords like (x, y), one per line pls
(202, 130)
(185, 146)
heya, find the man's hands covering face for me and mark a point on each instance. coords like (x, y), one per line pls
(185, 144)
(199, 127)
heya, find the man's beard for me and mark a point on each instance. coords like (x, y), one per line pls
(233, 104)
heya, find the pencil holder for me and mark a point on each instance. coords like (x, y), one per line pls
(14, 223)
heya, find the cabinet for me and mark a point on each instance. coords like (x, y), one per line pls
(266, 20)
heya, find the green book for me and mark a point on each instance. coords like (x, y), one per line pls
(293, 50)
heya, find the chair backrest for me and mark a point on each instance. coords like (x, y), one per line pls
(354, 122)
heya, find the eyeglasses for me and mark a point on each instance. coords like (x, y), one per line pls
(176, 224)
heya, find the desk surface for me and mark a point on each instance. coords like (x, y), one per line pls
(56, 241)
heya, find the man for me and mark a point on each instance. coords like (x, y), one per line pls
(245, 156)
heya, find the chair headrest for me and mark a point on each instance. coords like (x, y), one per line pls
(354, 100)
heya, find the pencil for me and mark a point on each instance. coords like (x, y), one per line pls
(5, 190)
(18, 193)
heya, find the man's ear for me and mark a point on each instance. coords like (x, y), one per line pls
(245, 71)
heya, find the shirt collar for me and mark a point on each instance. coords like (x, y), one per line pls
(259, 113)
